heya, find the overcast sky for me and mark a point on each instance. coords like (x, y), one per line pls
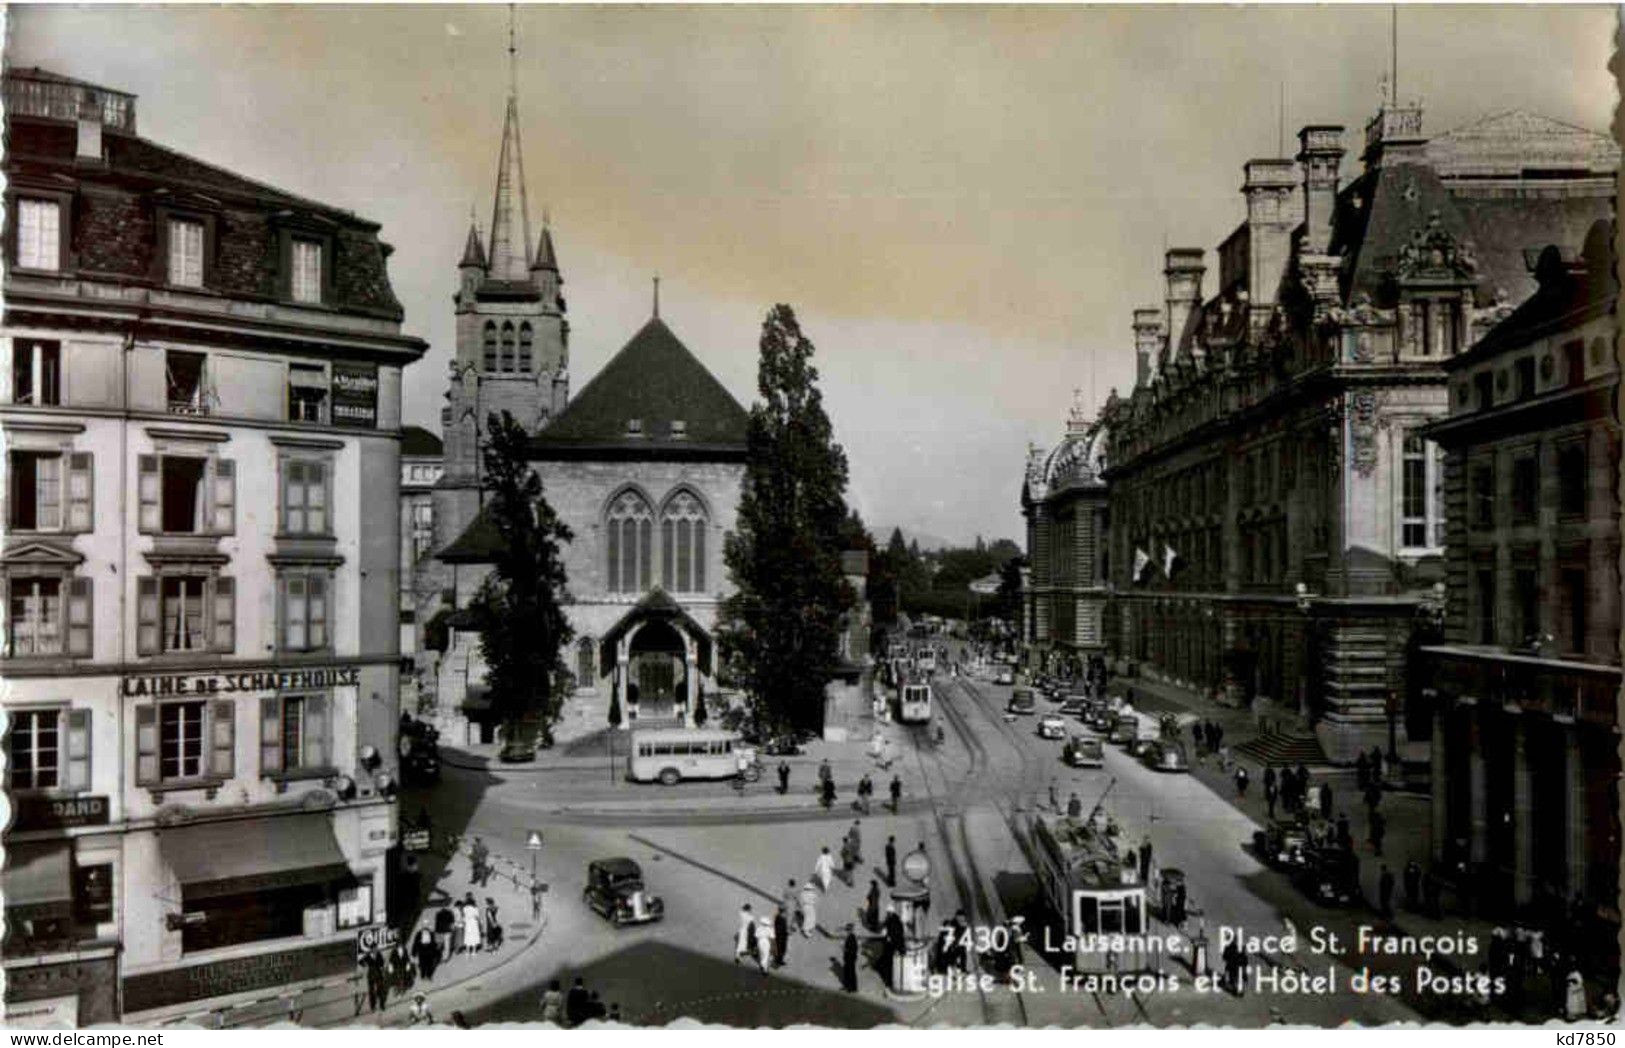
(963, 204)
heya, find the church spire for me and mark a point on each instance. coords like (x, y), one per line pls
(473, 250)
(510, 218)
(546, 257)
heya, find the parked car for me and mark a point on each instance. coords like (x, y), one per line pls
(1140, 746)
(1023, 701)
(1074, 706)
(1005, 676)
(1124, 731)
(1051, 726)
(1167, 756)
(1329, 876)
(1283, 843)
(1084, 751)
(615, 891)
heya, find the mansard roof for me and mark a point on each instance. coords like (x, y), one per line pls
(653, 382)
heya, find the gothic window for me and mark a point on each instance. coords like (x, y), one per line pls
(489, 362)
(524, 349)
(586, 663)
(682, 536)
(629, 527)
(507, 360)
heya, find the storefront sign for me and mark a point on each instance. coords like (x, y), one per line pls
(238, 975)
(415, 840)
(381, 937)
(47, 813)
(167, 684)
(355, 395)
(51, 1013)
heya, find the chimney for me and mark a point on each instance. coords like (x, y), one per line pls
(1321, 149)
(89, 146)
(1394, 136)
(1272, 215)
(1147, 337)
(1183, 267)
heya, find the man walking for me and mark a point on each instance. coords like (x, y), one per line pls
(1145, 860)
(896, 793)
(790, 899)
(871, 907)
(743, 933)
(855, 836)
(784, 777)
(891, 862)
(478, 872)
(849, 961)
(894, 943)
(781, 936)
(1379, 828)
(809, 909)
(1241, 783)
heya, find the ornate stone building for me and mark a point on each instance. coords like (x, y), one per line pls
(1063, 498)
(1276, 519)
(1524, 689)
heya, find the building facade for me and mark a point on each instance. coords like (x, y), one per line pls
(644, 465)
(1524, 687)
(200, 396)
(1065, 595)
(422, 463)
(1277, 520)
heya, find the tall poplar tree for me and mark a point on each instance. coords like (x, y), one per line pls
(518, 609)
(779, 630)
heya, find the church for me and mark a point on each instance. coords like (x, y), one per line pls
(644, 465)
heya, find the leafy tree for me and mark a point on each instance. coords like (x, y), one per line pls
(518, 608)
(779, 630)
(1007, 604)
(700, 714)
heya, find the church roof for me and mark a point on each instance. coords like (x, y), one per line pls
(546, 257)
(510, 217)
(631, 405)
(479, 543)
(473, 250)
(415, 440)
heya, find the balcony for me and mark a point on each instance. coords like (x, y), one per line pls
(34, 92)
(1564, 690)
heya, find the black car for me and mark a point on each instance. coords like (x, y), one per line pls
(1283, 843)
(615, 891)
(1329, 875)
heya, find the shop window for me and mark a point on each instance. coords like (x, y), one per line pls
(307, 393)
(36, 372)
(304, 497)
(303, 595)
(187, 495)
(185, 383)
(295, 735)
(185, 742)
(39, 234)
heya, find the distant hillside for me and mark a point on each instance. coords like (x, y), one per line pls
(927, 541)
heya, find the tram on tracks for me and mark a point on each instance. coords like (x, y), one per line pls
(914, 701)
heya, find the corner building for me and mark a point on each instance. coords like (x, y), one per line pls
(1276, 511)
(199, 396)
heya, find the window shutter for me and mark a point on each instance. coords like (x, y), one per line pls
(78, 777)
(80, 492)
(146, 611)
(223, 743)
(270, 735)
(317, 753)
(79, 611)
(147, 485)
(316, 497)
(146, 744)
(316, 590)
(225, 615)
(224, 496)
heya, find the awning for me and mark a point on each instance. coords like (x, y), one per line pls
(37, 881)
(253, 855)
(307, 378)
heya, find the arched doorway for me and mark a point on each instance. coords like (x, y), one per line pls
(657, 669)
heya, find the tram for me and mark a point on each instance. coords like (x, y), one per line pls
(1088, 871)
(914, 702)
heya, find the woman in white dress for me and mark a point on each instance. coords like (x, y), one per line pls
(473, 935)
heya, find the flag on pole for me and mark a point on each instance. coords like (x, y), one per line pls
(1168, 558)
(1141, 559)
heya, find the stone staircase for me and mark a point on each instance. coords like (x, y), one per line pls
(1281, 747)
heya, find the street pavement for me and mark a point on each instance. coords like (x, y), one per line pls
(707, 849)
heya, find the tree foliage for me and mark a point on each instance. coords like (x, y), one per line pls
(518, 609)
(779, 630)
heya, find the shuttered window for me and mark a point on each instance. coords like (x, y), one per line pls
(304, 612)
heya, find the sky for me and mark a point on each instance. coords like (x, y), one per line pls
(963, 204)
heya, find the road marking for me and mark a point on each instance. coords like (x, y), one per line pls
(698, 865)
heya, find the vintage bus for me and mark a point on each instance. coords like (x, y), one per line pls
(670, 755)
(914, 702)
(1091, 878)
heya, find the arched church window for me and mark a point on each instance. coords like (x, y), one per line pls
(524, 349)
(507, 347)
(586, 663)
(490, 360)
(629, 530)
(682, 526)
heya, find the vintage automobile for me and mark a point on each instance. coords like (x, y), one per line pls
(1124, 731)
(1084, 751)
(1166, 756)
(1074, 706)
(1283, 843)
(1329, 875)
(616, 892)
(1051, 726)
(1023, 701)
(1140, 746)
(1005, 676)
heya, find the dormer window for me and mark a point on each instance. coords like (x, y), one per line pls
(39, 234)
(186, 252)
(306, 280)
(634, 427)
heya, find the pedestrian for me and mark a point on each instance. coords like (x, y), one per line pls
(1074, 806)
(764, 943)
(478, 869)
(377, 980)
(1362, 771)
(1270, 781)
(824, 868)
(575, 1003)
(1385, 890)
(445, 924)
(809, 908)
(595, 1007)
(896, 793)
(1055, 798)
(781, 936)
(1379, 827)
(871, 907)
(1325, 800)
(1145, 860)
(493, 927)
(826, 793)
(553, 1004)
(742, 934)
(459, 1021)
(789, 899)
(784, 777)
(825, 772)
(942, 951)
(472, 935)
(1232, 968)
(420, 1014)
(426, 952)
(894, 942)
(855, 835)
(849, 961)
(1574, 996)
(1241, 782)
(891, 862)
(1270, 792)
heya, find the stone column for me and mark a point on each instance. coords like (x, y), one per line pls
(1574, 808)
(1477, 815)
(691, 674)
(1439, 797)
(623, 679)
(1523, 813)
